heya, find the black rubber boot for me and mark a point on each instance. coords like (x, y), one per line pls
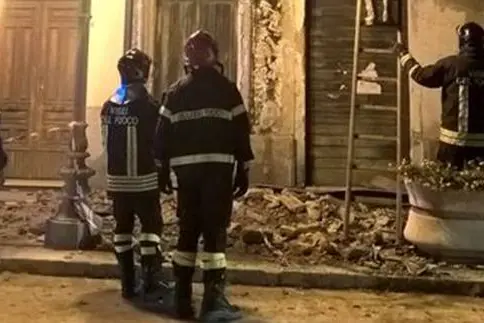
(215, 305)
(183, 292)
(157, 293)
(153, 280)
(127, 273)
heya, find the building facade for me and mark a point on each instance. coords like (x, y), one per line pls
(292, 61)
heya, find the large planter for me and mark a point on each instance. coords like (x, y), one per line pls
(449, 224)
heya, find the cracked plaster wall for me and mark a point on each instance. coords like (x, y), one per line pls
(279, 145)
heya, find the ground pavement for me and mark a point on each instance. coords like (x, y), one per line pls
(44, 299)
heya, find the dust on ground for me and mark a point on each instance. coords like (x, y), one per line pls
(288, 227)
(41, 299)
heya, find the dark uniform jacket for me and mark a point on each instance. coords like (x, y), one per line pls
(203, 120)
(128, 124)
(461, 78)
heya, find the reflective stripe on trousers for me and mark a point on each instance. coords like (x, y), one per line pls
(202, 158)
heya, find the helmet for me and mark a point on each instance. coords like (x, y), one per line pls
(134, 66)
(201, 50)
(470, 34)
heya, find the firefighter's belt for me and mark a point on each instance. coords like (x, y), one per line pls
(462, 139)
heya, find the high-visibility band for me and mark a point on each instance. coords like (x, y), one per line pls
(149, 237)
(463, 98)
(132, 188)
(141, 183)
(202, 158)
(202, 113)
(462, 139)
(413, 69)
(140, 178)
(405, 58)
(165, 112)
(132, 151)
(186, 259)
(147, 251)
(213, 260)
(123, 238)
(238, 110)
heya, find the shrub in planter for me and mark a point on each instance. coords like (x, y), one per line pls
(446, 218)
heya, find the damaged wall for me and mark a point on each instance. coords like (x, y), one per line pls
(432, 35)
(278, 110)
(277, 104)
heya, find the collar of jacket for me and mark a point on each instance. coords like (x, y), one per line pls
(471, 51)
(126, 93)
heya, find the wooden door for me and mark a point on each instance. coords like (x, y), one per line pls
(329, 101)
(37, 84)
(178, 19)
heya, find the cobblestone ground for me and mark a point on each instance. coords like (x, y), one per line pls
(35, 299)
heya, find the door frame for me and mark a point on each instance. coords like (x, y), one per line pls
(80, 94)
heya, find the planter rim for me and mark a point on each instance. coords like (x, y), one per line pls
(408, 183)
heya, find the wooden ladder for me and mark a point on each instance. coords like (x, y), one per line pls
(355, 107)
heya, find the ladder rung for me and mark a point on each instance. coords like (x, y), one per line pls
(375, 137)
(371, 107)
(378, 79)
(372, 169)
(377, 50)
(377, 23)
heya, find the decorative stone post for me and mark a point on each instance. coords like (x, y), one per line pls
(67, 230)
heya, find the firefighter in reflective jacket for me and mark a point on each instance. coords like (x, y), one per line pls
(203, 131)
(461, 78)
(128, 124)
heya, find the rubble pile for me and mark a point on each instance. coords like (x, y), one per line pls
(286, 227)
(307, 228)
(23, 215)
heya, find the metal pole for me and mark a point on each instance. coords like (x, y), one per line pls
(399, 215)
(351, 130)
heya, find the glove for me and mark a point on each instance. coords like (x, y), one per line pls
(400, 49)
(164, 180)
(241, 183)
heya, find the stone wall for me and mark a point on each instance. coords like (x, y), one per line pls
(277, 103)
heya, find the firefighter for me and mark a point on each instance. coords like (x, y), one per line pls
(203, 133)
(461, 78)
(129, 120)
